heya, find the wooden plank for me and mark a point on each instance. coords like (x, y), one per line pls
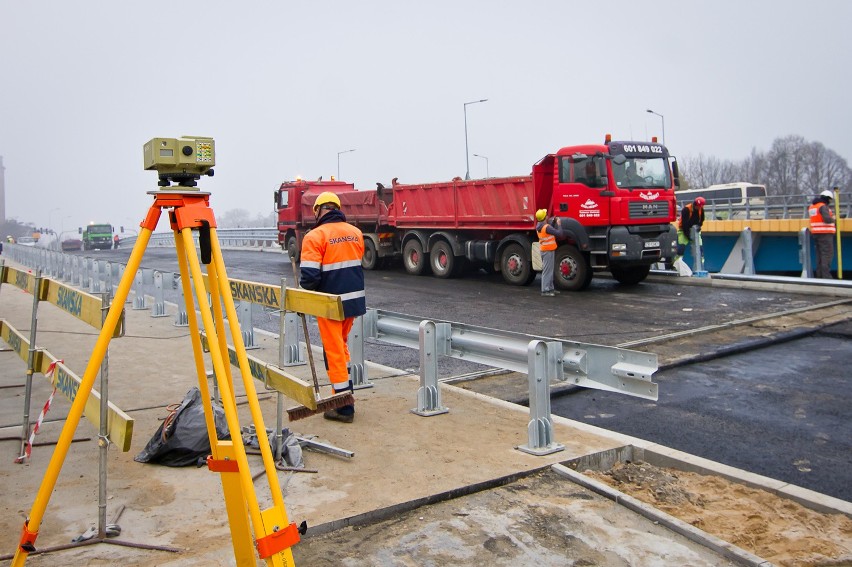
(252, 292)
(84, 306)
(314, 303)
(276, 378)
(119, 424)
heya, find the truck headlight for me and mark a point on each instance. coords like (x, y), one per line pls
(619, 247)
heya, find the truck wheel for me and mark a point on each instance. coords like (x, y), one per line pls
(370, 259)
(413, 258)
(630, 276)
(571, 270)
(444, 263)
(516, 265)
(292, 251)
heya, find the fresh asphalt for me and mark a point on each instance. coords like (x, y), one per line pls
(779, 411)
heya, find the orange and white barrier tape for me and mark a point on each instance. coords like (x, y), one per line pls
(28, 449)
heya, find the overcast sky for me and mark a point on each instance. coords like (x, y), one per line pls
(284, 86)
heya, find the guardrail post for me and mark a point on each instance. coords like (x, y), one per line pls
(697, 253)
(805, 253)
(95, 277)
(244, 314)
(292, 353)
(140, 302)
(357, 368)
(181, 318)
(159, 307)
(107, 278)
(429, 395)
(545, 363)
(748, 252)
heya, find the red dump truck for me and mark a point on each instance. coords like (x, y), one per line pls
(616, 201)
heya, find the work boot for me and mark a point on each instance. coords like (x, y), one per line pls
(336, 415)
(548, 294)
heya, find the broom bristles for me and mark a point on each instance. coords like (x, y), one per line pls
(324, 405)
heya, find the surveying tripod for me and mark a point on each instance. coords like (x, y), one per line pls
(273, 535)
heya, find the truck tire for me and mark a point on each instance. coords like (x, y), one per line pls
(370, 259)
(630, 276)
(292, 251)
(414, 259)
(516, 265)
(571, 269)
(444, 263)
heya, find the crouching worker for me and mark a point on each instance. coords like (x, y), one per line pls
(331, 263)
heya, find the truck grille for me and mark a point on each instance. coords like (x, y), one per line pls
(646, 210)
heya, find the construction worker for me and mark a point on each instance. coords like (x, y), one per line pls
(115, 241)
(823, 230)
(691, 215)
(548, 231)
(331, 263)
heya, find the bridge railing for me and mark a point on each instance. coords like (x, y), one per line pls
(769, 207)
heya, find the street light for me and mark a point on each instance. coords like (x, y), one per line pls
(338, 161)
(664, 123)
(486, 164)
(466, 153)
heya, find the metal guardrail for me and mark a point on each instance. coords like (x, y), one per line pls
(769, 207)
(544, 360)
(237, 237)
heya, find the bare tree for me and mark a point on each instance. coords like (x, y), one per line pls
(791, 167)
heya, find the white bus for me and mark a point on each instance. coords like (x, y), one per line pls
(728, 200)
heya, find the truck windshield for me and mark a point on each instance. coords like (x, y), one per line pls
(99, 228)
(642, 172)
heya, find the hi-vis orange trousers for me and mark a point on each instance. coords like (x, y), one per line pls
(335, 342)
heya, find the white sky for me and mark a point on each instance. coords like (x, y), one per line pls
(284, 86)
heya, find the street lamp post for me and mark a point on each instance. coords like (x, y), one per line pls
(466, 152)
(487, 175)
(664, 123)
(338, 160)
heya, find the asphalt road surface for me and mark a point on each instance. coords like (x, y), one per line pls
(780, 411)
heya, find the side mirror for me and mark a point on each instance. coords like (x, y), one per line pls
(675, 174)
(79, 230)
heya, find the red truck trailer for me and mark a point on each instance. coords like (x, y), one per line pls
(616, 202)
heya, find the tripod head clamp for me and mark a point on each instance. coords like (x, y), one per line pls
(180, 160)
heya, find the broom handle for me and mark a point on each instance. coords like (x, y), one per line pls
(305, 329)
(310, 351)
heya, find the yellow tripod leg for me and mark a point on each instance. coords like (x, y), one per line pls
(48, 482)
(275, 522)
(222, 451)
(274, 527)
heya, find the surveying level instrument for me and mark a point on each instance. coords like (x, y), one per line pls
(254, 532)
(182, 160)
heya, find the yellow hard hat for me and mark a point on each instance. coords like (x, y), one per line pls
(325, 198)
(541, 214)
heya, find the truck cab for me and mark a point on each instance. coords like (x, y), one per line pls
(617, 202)
(295, 214)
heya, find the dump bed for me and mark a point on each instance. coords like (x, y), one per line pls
(506, 203)
(360, 207)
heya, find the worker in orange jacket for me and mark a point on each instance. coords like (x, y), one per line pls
(331, 263)
(823, 230)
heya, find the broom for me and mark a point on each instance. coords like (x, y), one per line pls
(325, 404)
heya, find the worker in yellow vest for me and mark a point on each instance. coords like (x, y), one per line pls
(547, 233)
(823, 230)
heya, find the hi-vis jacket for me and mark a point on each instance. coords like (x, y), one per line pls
(546, 240)
(818, 221)
(331, 262)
